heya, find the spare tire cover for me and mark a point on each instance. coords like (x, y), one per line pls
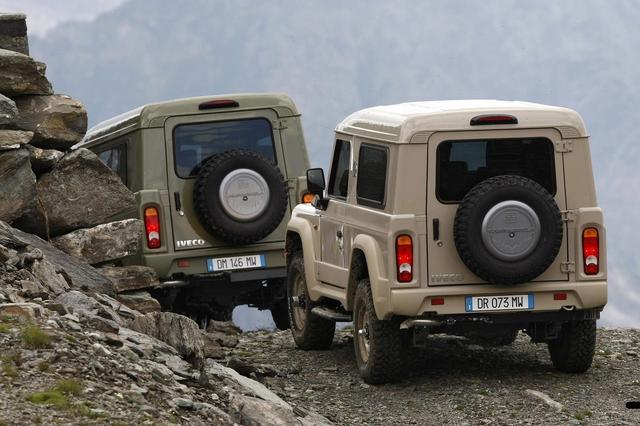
(240, 196)
(508, 229)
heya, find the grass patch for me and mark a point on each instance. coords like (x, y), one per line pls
(51, 397)
(8, 367)
(43, 366)
(68, 387)
(33, 337)
(582, 415)
(85, 411)
(4, 329)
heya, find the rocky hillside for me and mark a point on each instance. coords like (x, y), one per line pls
(82, 340)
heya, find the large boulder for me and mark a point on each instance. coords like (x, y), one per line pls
(8, 110)
(80, 192)
(13, 32)
(175, 330)
(133, 277)
(13, 139)
(102, 243)
(17, 184)
(140, 301)
(21, 75)
(58, 121)
(79, 275)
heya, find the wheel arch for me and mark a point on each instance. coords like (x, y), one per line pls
(299, 238)
(367, 262)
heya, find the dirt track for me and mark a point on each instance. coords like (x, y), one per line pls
(456, 382)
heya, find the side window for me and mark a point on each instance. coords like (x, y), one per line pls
(116, 159)
(372, 175)
(339, 179)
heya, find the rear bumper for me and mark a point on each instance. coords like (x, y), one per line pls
(225, 277)
(416, 302)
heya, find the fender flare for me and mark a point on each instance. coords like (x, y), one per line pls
(304, 230)
(380, 285)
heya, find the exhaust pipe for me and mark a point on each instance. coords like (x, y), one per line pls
(409, 323)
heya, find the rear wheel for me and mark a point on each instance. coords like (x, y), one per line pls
(280, 315)
(572, 351)
(380, 354)
(309, 330)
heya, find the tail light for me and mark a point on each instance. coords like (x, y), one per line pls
(404, 258)
(591, 251)
(152, 227)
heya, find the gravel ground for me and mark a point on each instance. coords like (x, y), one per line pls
(455, 382)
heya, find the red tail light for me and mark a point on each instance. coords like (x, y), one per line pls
(404, 258)
(152, 227)
(591, 251)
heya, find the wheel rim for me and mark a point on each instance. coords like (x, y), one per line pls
(298, 312)
(362, 333)
(511, 230)
(244, 195)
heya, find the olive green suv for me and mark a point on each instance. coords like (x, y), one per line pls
(215, 180)
(474, 218)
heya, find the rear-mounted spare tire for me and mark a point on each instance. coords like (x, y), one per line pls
(508, 229)
(240, 196)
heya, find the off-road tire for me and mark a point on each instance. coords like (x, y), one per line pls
(572, 351)
(210, 211)
(280, 315)
(467, 230)
(316, 333)
(387, 354)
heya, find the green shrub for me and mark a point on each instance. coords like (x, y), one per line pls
(50, 397)
(33, 337)
(4, 328)
(43, 366)
(69, 387)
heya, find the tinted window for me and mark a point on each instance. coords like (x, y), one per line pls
(372, 175)
(463, 164)
(339, 179)
(116, 159)
(196, 142)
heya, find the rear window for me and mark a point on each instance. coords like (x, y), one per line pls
(372, 176)
(194, 143)
(116, 159)
(462, 164)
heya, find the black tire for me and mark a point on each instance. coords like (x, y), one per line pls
(573, 350)
(386, 354)
(467, 229)
(210, 210)
(280, 315)
(310, 332)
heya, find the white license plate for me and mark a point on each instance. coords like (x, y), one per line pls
(515, 302)
(236, 262)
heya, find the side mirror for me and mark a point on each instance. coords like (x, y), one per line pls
(315, 181)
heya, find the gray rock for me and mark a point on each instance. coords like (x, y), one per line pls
(127, 278)
(43, 160)
(8, 110)
(28, 311)
(212, 349)
(49, 277)
(244, 384)
(80, 192)
(21, 75)
(183, 403)
(103, 243)
(58, 121)
(176, 330)
(249, 411)
(17, 184)
(546, 399)
(78, 275)
(13, 32)
(226, 327)
(121, 309)
(140, 301)
(14, 139)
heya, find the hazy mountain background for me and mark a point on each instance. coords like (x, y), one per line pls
(334, 57)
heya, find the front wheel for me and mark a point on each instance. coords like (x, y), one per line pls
(380, 354)
(573, 350)
(309, 330)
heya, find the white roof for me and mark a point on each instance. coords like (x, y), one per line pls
(398, 123)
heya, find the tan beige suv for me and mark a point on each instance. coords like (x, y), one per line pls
(473, 218)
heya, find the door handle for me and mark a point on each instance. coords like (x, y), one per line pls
(436, 229)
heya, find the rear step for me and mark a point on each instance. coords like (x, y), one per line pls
(330, 314)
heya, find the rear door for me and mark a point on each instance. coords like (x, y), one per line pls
(190, 141)
(460, 160)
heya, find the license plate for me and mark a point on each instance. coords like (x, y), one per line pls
(514, 302)
(236, 262)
